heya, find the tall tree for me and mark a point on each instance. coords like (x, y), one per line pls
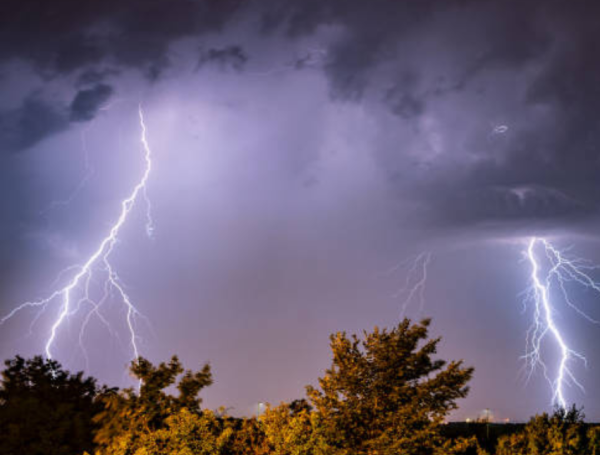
(386, 394)
(248, 437)
(184, 433)
(131, 415)
(293, 429)
(562, 433)
(44, 409)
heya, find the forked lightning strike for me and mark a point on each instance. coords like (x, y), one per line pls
(415, 281)
(552, 270)
(81, 281)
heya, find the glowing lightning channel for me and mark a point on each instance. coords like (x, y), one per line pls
(560, 272)
(415, 281)
(82, 279)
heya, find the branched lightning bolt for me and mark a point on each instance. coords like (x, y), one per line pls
(77, 291)
(415, 281)
(553, 270)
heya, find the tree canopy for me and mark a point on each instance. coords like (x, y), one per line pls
(131, 416)
(44, 409)
(386, 393)
(562, 433)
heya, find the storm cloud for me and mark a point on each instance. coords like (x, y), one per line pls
(226, 57)
(73, 35)
(88, 101)
(301, 148)
(31, 122)
(420, 61)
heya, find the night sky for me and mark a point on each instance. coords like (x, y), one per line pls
(304, 153)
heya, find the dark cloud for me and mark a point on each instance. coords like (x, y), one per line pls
(38, 118)
(62, 36)
(94, 76)
(474, 201)
(425, 59)
(419, 123)
(417, 60)
(65, 37)
(87, 102)
(34, 120)
(403, 99)
(510, 35)
(556, 160)
(369, 28)
(226, 57)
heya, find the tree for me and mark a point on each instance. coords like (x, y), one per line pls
(184, 433)
(132, 416)
(45, 409)
(385, 394)
(296, 430)
(562, 433)
(248, 437)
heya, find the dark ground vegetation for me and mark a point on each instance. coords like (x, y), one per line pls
(385, 393)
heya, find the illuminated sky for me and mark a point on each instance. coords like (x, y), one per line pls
(302, 149)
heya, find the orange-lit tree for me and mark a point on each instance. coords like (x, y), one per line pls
(129, 419)
(386, 394)
(562, 433)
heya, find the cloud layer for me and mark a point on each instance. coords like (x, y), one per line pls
(494, 101)
(302, 148)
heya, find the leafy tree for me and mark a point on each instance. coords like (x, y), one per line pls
(294, 430)
(593, 435)
(45, 409)
(385, 394)
(562, 433)
(184, 433)
(298, 406)
(248, 437)
(132, 416)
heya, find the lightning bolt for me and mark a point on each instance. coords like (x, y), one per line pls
(77, 291)
(553, 270)
(415, 281)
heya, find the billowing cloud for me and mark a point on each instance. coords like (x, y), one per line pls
(31, 122)
(70, 35)
(469, 64)
(88, 101)
(226, 57)
(301, 147)
(426, 64)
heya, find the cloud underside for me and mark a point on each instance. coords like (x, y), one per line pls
(489, 108)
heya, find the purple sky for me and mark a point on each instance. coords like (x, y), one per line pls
(302, 149)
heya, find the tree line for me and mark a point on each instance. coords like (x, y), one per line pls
(385, 393)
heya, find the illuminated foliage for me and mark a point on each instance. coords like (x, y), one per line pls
(184, 433)
(133, 416)
(385, 394)
(296, 433)
(562, 433)
(248, 438)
